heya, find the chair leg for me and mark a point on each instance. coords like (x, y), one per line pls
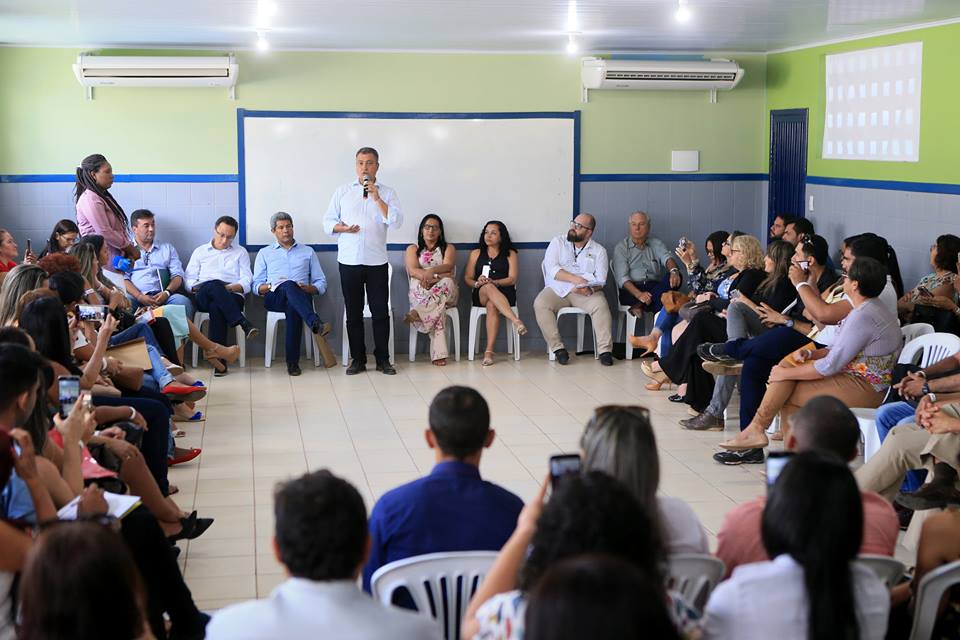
(412, 350)
(393, 353)
(581, 318)
(472, 330)
(630, 322)
(344, 342)
(270, 341)
(455, 327)
(242, 341)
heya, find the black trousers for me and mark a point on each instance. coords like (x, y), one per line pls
(355, 280)
(154, 446)
(225, 308)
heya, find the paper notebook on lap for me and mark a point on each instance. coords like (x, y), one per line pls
(117, 506)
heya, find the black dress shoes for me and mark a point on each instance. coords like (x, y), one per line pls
(293, 369)
(356, 366)
(386, 368)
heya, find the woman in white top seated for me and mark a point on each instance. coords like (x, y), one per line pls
(812, 589)
(619, 441)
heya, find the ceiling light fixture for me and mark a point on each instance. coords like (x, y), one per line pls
(572, 46)
(683, 13)
(572, 24)
(262, 44)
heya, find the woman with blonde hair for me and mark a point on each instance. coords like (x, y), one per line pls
(18, 281)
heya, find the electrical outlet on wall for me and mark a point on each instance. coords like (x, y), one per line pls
(811, 203)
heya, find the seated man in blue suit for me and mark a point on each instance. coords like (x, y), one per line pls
(287, 274)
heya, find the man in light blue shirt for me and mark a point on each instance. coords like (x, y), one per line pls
(287, 274)
(144, 284)
(359, 215)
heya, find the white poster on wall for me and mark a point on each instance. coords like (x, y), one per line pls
(873, 104)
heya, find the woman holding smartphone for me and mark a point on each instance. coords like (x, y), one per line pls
(491, 272)
(935, 289)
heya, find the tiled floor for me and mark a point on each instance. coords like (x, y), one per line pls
(264, 426)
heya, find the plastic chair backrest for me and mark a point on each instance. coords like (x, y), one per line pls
(440, 584)
(694, 575)
(915, 330)
(929, 592)
(888, 569)
(934, 347)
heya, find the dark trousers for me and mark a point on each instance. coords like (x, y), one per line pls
(354, 279)
(225, 308)
(154, 445)
(759, 356)
(162, 581)
(656, 288)
(297, 304)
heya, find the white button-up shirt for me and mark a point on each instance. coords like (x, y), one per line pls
(301, 609)
(231, 265)
(589, 263)
(348, 206)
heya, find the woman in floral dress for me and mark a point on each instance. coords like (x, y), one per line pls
(431, 264)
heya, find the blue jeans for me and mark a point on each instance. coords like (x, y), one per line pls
(297, 304)
(889, 416)
(138, 330)
(759, 356)
(666, 322)
(158, 376)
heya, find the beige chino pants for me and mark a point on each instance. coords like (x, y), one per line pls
(548, 303)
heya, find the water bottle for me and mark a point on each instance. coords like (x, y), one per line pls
(121, 264)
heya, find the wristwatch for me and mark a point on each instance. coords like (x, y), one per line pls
(925, 389)
(789, 323)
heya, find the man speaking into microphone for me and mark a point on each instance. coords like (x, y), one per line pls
(359, 215)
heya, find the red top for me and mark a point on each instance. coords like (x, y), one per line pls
(4, 267)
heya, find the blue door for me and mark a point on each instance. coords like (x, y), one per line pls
(788, 163)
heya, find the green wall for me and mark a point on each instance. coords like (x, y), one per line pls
(47, 126)
(796, 79)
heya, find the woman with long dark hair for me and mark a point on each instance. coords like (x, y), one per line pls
(812, 589)
(98, 212)
(497, 288)
(63, 236)
(431, 264)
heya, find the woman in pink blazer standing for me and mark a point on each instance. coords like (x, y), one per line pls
(97, 211)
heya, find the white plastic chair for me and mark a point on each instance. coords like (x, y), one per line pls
(888, 569)
(473, 342)
(452, 326)
(694, 576)
(202, 316)
(367, 314)
(932, 348)
(581, 317)
(275, 317)
(629, 326)
(440, 584)
(915, 330)
(929, 593)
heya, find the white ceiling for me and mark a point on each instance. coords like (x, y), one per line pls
(458, 25)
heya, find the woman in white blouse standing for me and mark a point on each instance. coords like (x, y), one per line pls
(812, 528)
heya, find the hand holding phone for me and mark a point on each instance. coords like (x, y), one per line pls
(68, 392)
(561, 465)
(924, 292)
(776, 461)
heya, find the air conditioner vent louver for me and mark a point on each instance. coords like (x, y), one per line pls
(701, 75)
(156, 71)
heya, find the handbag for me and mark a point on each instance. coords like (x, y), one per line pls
(673, 300)
(691, 309)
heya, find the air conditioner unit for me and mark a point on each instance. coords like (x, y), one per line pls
(669, 75)
(156, 71)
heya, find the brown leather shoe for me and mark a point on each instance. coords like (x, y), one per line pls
(721, 369)
(703, 422)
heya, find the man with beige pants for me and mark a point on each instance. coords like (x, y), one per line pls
(932, 443)
(574, 272)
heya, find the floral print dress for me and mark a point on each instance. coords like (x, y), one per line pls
(431, 304)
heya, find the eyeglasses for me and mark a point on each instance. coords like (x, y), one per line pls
(431, 227)
(736, 250)
(576, 225)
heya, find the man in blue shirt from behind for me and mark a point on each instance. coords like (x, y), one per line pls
(452, 508)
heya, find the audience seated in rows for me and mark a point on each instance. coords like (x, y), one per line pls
(780, 222)
(144, 282)
(823, 424)
(643, 268)
(574, 271)
(856, 368)
(64, 235)
(812, 527)
(452, 508)
(497, 289)
(322, 541)
(10, 252)
(934, 298)
(700, 281)
(588, 513)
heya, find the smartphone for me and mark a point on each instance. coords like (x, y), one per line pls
(92, 312)
(561, 465)
(485, 271)
(804, 265)
(923, 291)
(28, 245)
(69, 393)
(776, 461)
(682, 245)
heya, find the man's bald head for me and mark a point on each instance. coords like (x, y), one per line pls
(824, 424)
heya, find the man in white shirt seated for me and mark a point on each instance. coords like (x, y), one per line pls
(287, 274)
(574, 272)
(321, 538)
(219, 276)
(144, 283)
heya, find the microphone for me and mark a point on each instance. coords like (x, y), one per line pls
(366, 179)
